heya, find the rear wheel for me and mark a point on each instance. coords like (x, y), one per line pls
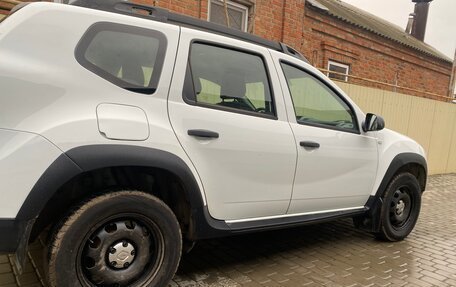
(400, 209)
(125, 238)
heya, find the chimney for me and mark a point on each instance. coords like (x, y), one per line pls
(420, 21)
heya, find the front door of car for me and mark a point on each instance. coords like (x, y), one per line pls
(337, 162)
(227, 110)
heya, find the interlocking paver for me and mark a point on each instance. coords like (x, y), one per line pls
(330, 254)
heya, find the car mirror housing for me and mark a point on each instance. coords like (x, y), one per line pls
(373, 123)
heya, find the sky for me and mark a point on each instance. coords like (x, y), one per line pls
(441, 26)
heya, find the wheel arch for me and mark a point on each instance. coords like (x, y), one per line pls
(88, 158)
(404, 162)
(78, 162)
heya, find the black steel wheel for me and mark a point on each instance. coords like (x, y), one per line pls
(118, 239)
(401, 208)
(121, 251)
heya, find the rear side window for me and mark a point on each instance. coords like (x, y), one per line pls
(228, 79)
(129, 57)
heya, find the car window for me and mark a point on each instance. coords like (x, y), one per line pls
(129, 57)
(230, 79)
(315, 103)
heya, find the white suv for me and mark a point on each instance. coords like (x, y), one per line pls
(128, 133)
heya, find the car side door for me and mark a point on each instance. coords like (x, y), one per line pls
(337, 161)
(227, 110)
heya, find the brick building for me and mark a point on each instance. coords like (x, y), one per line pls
(372, 48)
(334, 36)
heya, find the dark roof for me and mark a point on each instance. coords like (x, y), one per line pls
(374, 24)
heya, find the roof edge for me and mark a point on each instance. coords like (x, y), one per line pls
(326, 11)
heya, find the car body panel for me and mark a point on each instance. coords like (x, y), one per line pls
(248, 171)
(24, 157)
(58, 98)
(391, 144)
(122, 122)
(49, 107)
(340, 173)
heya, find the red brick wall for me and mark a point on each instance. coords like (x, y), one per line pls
(194, 8)
(372, 56)
(268, 19)
(279, 20)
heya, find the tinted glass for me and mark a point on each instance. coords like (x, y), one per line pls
(230, 79)
(315, 103)
(127, 56)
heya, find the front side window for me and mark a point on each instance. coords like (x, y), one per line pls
(229, 79)
(237, 14)
(129, 57)
(315, 103)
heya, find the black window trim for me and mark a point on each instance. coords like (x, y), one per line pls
(97, 27)
(189, 95)
(320, 79)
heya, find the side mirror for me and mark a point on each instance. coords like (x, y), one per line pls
(373, 123)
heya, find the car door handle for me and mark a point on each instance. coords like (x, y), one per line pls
(309, 144)
(203, 134)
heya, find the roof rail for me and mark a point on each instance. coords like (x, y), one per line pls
(162, 15)
(292, 52)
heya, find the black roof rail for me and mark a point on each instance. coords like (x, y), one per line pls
(292, 52)
(162, 15)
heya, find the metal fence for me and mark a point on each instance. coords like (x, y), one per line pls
(432, 123)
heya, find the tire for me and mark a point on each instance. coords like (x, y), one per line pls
(125, 238)
(400, 209)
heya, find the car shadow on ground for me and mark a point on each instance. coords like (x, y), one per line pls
(258, 248)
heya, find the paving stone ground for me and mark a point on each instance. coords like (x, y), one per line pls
(330, 254)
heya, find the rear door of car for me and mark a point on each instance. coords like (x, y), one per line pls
(227, 110)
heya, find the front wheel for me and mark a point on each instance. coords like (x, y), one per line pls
(400, 209)
(125, 238)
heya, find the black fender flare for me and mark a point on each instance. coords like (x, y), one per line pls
(375, 202)
(92, 157)
(397, 163)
